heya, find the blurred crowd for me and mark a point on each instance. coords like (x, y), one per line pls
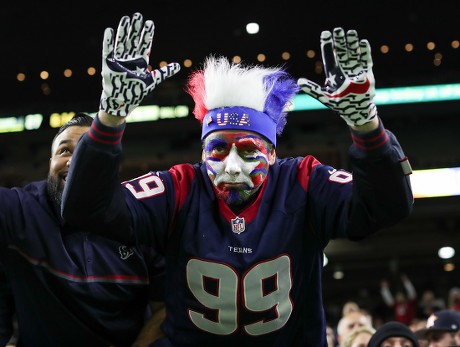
(415, 321)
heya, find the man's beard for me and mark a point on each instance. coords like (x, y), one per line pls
(55, 193)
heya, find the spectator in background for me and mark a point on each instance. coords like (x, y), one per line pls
(70, 288)
(359, 337)
(393, 334)
(350, 322)
(418, 324)
(442, 329)
(428, 304)
(404, 304)
(349, 306)
(453, 299)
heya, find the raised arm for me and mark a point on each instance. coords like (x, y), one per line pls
(382, 193)
(93, 196)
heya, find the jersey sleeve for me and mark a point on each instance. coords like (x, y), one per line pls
(93, 197)
(381, 182)
(374, 194)
(139, 210)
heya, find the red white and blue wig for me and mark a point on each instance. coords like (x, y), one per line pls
(230, 96)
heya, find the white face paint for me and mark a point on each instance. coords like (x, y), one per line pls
(233, 170)
(237, 164)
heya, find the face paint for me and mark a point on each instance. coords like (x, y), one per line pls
(237, 164)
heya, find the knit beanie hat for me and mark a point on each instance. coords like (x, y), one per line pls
(392, 329)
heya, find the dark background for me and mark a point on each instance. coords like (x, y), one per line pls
(40, 37)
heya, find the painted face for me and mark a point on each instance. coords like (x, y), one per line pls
(237, 163)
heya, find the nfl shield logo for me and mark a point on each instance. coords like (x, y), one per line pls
(238, 225)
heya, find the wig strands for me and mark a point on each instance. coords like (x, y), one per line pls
(224, 84)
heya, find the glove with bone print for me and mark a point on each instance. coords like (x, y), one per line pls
(126, 76)
(350, 85)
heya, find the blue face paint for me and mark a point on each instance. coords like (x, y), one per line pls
(237, 164)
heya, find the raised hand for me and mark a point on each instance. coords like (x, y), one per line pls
(350, 85)
(126, 76)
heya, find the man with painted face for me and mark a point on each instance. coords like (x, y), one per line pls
(70, 287)
(243, 231)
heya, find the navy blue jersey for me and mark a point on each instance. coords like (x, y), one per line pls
(71, 287)
(6, 309)
(252, 279)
